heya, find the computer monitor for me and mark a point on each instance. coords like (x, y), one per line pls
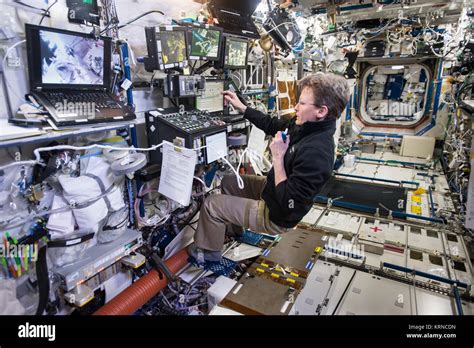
(216, 146)
(211, 99)
(167, 47)
(236, 52)
(66, 59)
(204, 42)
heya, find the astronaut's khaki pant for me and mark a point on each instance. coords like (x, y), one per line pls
(233, 210)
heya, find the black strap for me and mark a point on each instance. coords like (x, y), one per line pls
(43, 280)
(61, 243)
(161, 266)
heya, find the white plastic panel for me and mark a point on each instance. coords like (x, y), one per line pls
(373, 230)
(396, 234)
(428, 263)
(425, 302)
(360, 169)
(391, 156)
(418, 205)
(312, 216)
(454, 245)
(396, 173)
(372, 295)
(425, 239)
(340, 222)
(461, 271)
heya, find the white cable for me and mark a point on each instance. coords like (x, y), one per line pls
(250, 79)
(240, 181)
(202, 182)
(5, 71)
(19, 163)
(293, 24)
(80, 148)
(154, 147)
(238, 78)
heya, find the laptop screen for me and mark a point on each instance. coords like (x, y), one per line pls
(69, 59)
(211, 99)
(65, 59)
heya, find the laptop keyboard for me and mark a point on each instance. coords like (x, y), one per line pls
(99, 99)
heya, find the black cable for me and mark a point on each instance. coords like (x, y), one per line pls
(33, 7)
(42, 280)
(141, 16)
(462, 91)
(152, 78)
(269, 5)
(345, 290)
(46, 13)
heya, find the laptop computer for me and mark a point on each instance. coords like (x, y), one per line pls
(235, 17)
(70, 75)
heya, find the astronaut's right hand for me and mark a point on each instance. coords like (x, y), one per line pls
(234, 100)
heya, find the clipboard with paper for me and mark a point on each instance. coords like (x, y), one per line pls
(177, 172)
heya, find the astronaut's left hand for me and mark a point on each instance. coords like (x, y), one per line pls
(278, 147)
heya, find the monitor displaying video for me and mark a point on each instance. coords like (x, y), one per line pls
(173, 47)
(211, 98)
(205, 43)
(235, 53)
(71, 59)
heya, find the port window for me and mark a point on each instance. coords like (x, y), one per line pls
(459, 266)
(432, 234)
(416, 255)
(452, 238)
(415, 230)
(369, 221)
(436, 260)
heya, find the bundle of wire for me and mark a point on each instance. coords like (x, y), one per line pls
(155, 220)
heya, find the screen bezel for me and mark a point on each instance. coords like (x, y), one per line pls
(158, 31)
(190, 41)
(34, 60)
(226, 51)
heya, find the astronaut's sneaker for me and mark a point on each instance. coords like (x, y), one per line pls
(203, 255)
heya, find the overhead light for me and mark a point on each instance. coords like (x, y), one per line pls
(398, 67)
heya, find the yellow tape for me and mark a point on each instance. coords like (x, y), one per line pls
(274, 275)
(260, 270)
(416, 199)
(416, 209)
(419, 191)
(264, 264)
(290, 280)
(294, 274)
